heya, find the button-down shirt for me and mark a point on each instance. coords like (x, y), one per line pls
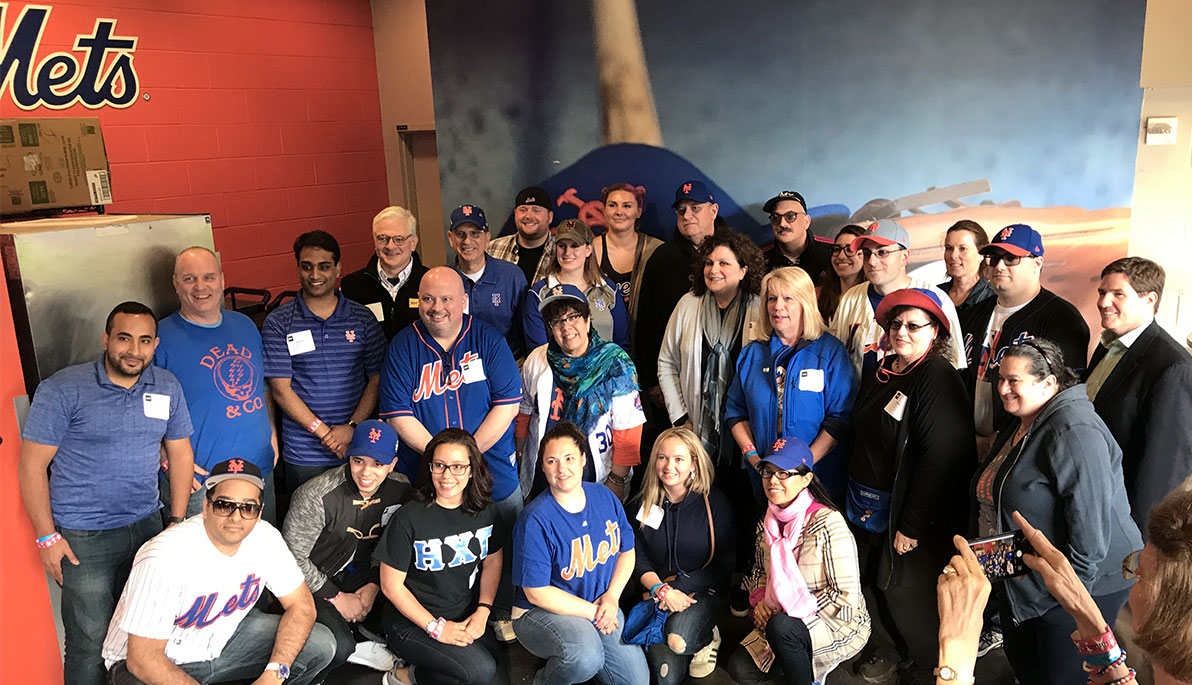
(496, 298)
(402, 277)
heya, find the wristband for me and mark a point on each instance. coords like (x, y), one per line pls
(1128, 678)
(337, 596)
(314, 425)
(486, 605)
(435, 627)
(1096, 645)
(613, 478)
(49, 540)
(662, 592)
(654, 589)
(177, 519)
(1105, 659)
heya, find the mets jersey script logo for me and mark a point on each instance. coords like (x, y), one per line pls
(428, 554)
(199, 614)
(431, 380)
(585, 559)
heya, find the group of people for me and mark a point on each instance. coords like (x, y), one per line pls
(599, 446)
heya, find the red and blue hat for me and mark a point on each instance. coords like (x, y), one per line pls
(922, 298)
(884, 232)
(695, 191)
(468, 214)
(1019, 240)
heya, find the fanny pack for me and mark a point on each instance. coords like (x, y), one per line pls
(868, 508)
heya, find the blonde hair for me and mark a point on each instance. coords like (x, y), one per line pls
(399, 213)
(652, 491)
(795, 281)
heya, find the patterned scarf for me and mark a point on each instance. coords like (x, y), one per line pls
(720, 332)
(589, 383)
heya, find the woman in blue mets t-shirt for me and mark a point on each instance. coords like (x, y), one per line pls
(573, 555)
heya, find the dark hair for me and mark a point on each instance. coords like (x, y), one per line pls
(980, 237)
(940, 348)
(564, 429)
(1144, 275)
(638, 193)
(211, 493)
(320, 239)
(558, 308)
(747, 253)
(1166, 635)
(1044, 358)
(830, 293)
(131, 307)
(478, 493)
(819, 493)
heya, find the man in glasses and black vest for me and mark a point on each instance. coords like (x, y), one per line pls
(189, 608)
(388, 284)
(794, 244)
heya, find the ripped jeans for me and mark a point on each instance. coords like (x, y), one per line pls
(690, 628)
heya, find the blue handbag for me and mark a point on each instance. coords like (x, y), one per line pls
(868, 508)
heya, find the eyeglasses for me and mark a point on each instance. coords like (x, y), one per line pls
(572, 321)
(912, 327)
(464, 234)
(456, 469)
(993, 258)
(790, 217)
(768, 473)
(397, 240)
(837, 249)
(1130, 565)
(225, 507)
(880, 253)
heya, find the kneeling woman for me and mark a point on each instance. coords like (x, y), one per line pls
(805, 586)
(440, 565)
(573, 555)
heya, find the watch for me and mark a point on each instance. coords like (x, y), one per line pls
(951, 675)
(352, 424)
(177, 519)
(283, 670)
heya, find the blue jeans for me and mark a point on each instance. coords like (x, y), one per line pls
(194, 506)
(91, 589)
(506, 511)
(576, 652)
(691, 627)
(297, 474)
(247, 652)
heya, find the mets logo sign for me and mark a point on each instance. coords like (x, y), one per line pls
(104, 76)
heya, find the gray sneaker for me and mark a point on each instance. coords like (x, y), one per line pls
(991, 639)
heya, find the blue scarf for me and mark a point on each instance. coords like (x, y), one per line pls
(589, 383)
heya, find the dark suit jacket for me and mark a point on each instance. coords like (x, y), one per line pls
(1147, 404)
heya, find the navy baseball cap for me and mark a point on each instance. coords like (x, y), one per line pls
(562, 291)
(784, 195)
(374, 439)
(1019, 240)
(468, 214)
(884, 232)
(695, 191)
(789, 454)
(235, 468)
(533, 196)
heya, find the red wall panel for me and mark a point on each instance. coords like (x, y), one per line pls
(263, 113)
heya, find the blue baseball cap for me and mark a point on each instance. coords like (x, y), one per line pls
(468, 214)
(562, 291)
(374, 439)
(1019, 240)
(789, 454)
(695, 191)
(884, 232)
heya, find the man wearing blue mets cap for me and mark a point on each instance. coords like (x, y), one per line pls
(1023, 309)
(496, 288)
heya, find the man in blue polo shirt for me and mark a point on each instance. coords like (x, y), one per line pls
(323, 356)
(496, 288)
(451, 370)
(101, 426)
(217, 357)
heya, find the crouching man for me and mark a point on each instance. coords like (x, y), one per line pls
(187, 614)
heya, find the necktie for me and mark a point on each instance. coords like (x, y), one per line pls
(1097, 378)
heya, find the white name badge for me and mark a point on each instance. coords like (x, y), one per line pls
(300, 342)
(896, 406)
(473, 371)
(811, 380)
(377, 310)
(156, 406)
(388, 513)
(654, 519)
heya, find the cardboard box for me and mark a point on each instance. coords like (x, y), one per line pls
(52, 164)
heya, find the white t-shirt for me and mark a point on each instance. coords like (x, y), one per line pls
(983, 397)
(182, 589)
(474, 278)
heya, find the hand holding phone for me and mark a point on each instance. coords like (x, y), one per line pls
(1000, 556)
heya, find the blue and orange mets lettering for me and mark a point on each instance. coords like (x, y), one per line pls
(199, 614)
(585, 559)
(556, 405)
(432, 381)
(428, 554)
(991, 360)
(59, 80)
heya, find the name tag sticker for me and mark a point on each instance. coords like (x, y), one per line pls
(300, 343)
(377, 310)
(156, 406)
(473, 371)
(653, 519)
(413, 303)
(811, 380)
(896, 406)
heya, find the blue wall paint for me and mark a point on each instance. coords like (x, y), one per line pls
(845, 100)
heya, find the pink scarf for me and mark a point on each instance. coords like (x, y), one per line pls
(786, 587)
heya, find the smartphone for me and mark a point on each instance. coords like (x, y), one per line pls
(1000, 556)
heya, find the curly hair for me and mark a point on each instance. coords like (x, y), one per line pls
(748, 255)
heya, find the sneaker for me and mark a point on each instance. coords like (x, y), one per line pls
(374, 655)
(396, 677)
(738, 602)
(991, 639)
(704, 661)
(877, 670)
(503, 630)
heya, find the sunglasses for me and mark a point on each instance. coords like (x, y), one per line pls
(790, 217)
(225, 507)
(912, 327)
(993, 258)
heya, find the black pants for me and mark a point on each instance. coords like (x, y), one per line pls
(1040, 649)
(906, 621)
(434, 663)
(791, 644)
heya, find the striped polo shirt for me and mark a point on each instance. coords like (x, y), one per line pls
(349, 347)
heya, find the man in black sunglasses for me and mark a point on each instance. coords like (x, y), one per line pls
(189, 608)
(794, 244)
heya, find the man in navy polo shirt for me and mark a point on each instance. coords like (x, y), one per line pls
(102, 425)
(495, 288)
(323, 356)
(451, 370)
(217, 357)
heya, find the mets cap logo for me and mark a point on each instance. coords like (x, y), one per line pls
(466, 209)
(687, 188)
(557, 290)
(374, 435)
(235, 466)
(779, 444)
(1005, 234)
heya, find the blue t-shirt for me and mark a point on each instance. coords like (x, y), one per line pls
(222, 371)
(453, 389)
(104, 474)
(349, 347)
(576, 553)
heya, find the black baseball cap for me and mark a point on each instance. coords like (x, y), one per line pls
(784, 195)
(533, 196)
